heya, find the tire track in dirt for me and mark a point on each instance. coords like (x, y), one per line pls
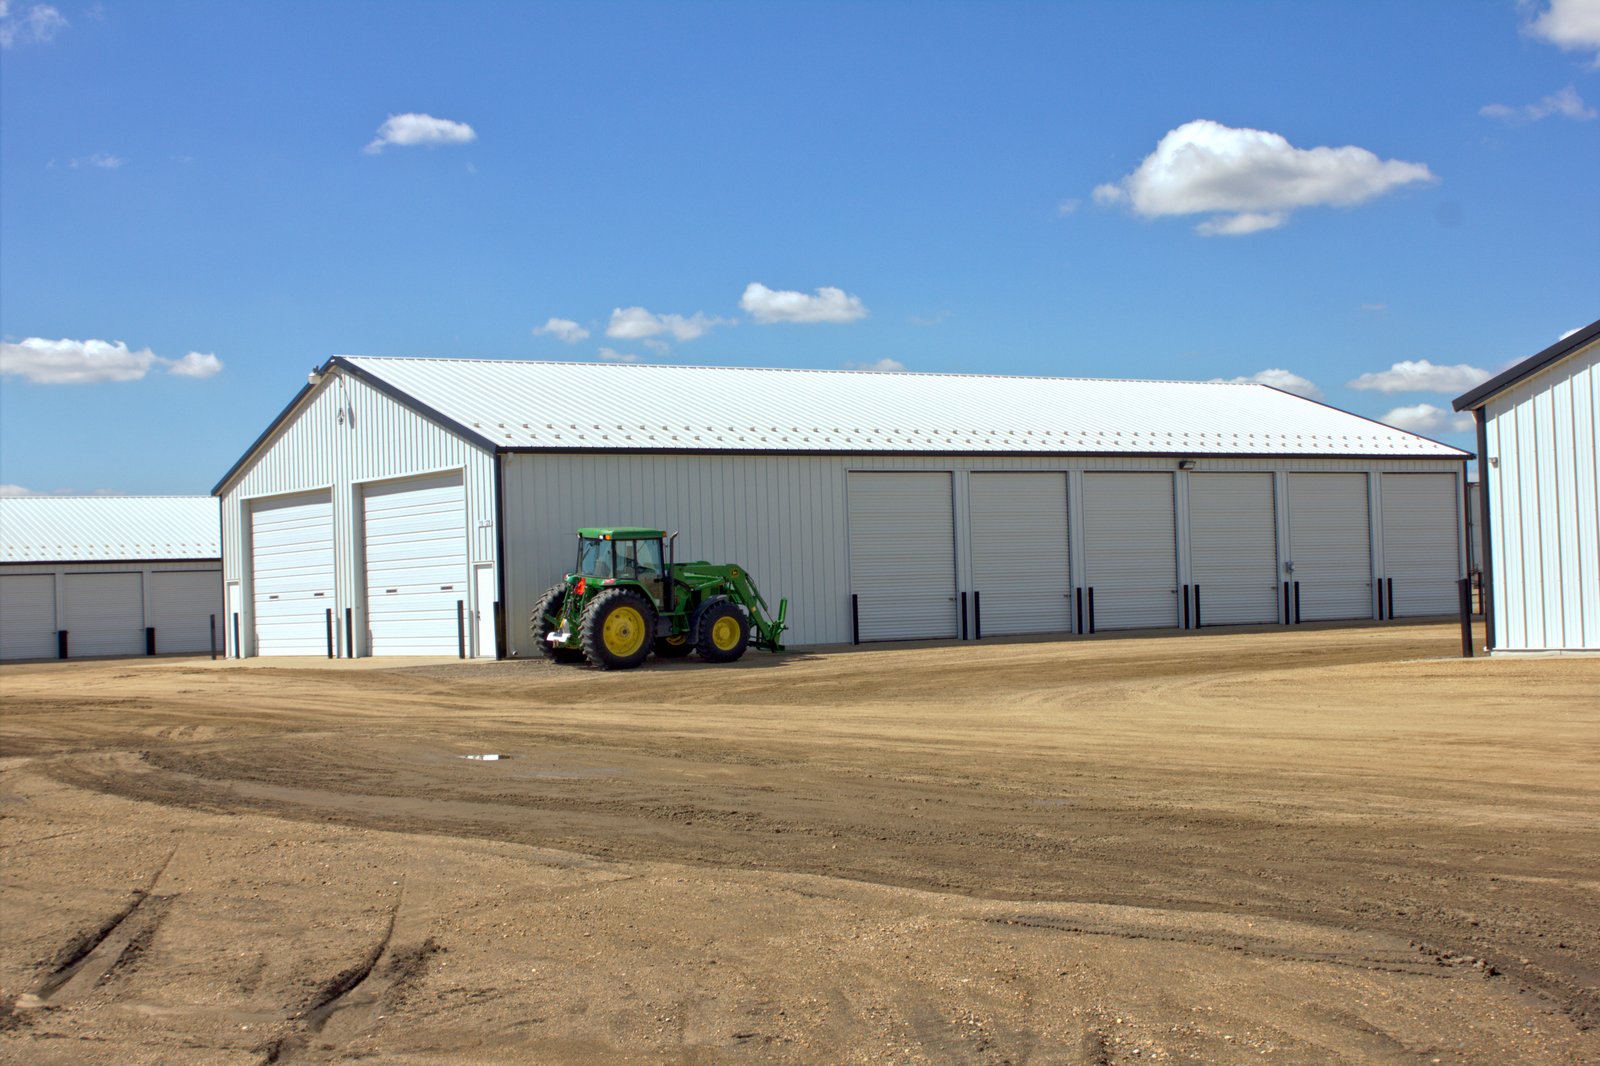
(91, 957)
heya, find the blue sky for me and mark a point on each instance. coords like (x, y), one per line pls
(201, 201)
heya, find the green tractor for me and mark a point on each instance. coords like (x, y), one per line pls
(626, 598)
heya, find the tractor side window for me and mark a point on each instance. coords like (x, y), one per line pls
(638, 560)
(648, 554)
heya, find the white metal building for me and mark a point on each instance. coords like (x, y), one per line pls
(396, 504)
(108, 575)
(1540, 497)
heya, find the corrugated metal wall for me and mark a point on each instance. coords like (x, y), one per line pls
(1544, 500)
(87, 614)
(345, 434)
(783, 517)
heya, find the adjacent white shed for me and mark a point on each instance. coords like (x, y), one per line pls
(399, 506)
(1540, 497)
(108, 575)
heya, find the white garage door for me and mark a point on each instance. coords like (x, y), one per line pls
(292, 562)
(182, 604)
(1421, 549)
(28, 616)
(104, 614)
(1130, 549)
(1233, 548)
(1019, 553)
(416, 538)
(902, 555)
(1330, 545)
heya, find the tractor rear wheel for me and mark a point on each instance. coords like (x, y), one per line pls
(674, 647)
(724, 631)
(546, 617)
(617, 629)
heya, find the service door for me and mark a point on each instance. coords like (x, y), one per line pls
(1330, 545)
(902, 555)
(1233, 548)
(1130, 549)
(1019, 553)
(1421, 543)
(486, 590)
(28, 616)
(416, 551)
(182, 606)
(104, 614)
(291, 557)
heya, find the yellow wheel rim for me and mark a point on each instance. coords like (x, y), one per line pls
(677, 641)
(623, 632)
(725, 633)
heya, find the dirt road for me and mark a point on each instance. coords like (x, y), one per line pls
(1336, 845)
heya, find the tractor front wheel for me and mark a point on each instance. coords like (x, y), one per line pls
(724, 631)
(546, 618)
(617, 630)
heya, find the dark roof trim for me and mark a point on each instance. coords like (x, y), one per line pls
(124, 563)
(775, 453)
(1528, 367)
(405, 399)
(402, 398)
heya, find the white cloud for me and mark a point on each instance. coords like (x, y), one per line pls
(413, 129)
(1278, 378)
(635, 323)
(563, 329)
(1250, 179)
(89, 362)
(196, 365)
(882, 366)
(16, 490)
(1567, 334)
(1426, 418)
(1573, 25)
(785, 305)
(37, 24)
(611, 355)
(1419, 375)
(101, 160)
(1068, 206)
(1564, 102)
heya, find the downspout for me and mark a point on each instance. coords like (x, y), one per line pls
(502, 622)
(1484, 466)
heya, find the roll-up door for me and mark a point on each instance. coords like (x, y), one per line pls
(182, 605)
(1421, 543)
(104, 614)
(1019, 552)
(291, 553)
(28, 616)
(1330, 544)
(1130, 549)
(1233, 548)
(902, 555)
(416, 549)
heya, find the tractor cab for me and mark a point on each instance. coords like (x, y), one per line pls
(623, 556)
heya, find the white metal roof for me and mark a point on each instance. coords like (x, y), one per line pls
(40, 529)
(599, 406)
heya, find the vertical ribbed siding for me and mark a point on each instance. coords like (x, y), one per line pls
(787, 517)
(376, 439)
(1544, 503)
